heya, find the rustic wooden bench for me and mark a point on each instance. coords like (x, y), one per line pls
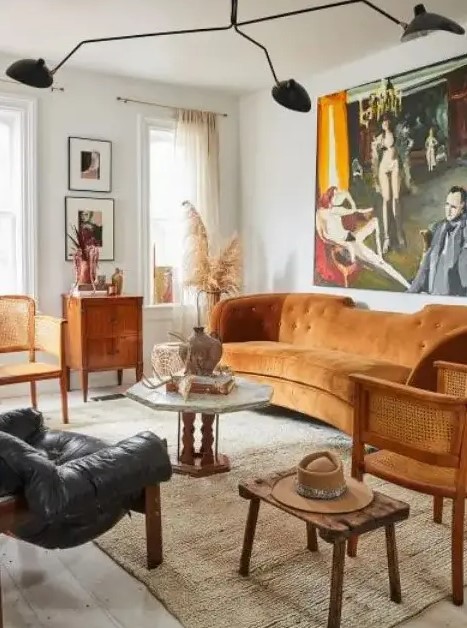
(335, 529)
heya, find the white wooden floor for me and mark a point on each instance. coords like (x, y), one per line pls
(84, 588)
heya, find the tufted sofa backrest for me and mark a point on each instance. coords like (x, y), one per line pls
(392, 336)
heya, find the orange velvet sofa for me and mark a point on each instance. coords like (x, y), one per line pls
(307, 345)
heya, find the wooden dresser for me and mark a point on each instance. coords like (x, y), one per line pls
(104, 334)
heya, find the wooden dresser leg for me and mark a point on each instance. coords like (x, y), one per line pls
(337, 583)
(152, 497)
(119, 376)
(393, 564)
(249, 536)
(139, 371)
(84, 384)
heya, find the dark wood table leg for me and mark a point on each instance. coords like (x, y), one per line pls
(188, 439)
(207, 439)
(311, 538)
(249, 536)
(152, 498)
(393, 564)
(337, 581)
(119, 376)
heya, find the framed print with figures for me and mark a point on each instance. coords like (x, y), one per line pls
(89, 165)
(93, 217)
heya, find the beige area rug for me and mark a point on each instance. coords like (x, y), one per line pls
(288, 586)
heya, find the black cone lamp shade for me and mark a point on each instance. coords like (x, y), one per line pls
(291, 95)
(32, 72)
(425, 23)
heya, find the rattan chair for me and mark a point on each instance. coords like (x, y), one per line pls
(422, 445)
(22, 330)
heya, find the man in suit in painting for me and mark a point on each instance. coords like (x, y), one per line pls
(443, 269)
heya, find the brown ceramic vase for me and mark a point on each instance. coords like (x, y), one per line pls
(204, 353)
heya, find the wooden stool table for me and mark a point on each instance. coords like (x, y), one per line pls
(383, 511)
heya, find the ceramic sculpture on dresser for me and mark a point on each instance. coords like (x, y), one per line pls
(85, 259)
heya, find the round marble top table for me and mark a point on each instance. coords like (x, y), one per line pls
(246, 395)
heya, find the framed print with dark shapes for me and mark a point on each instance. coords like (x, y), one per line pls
(89, 165)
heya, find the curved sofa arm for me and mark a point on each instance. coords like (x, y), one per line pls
(251, 317)
(451, 348)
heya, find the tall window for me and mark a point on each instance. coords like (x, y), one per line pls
(17, 229)
(165, 228)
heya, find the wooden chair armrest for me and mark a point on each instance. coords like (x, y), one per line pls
(451, 378)
(451, 366)
(395, 389)
(50, 335)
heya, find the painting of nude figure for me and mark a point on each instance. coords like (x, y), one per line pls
(391, 193)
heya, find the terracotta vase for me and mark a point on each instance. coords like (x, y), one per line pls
(203, 353)
(84, 273)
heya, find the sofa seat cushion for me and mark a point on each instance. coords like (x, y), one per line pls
(325, 369)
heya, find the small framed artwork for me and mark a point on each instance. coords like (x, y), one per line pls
(89, 165)
(96, 217)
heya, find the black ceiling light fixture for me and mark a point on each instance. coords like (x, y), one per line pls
(425, 23)
(287, 93)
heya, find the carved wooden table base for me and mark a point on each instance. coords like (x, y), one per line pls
(206, 461)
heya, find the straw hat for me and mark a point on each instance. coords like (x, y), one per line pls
(319, 485)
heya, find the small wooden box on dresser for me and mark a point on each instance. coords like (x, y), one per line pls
(103, 334)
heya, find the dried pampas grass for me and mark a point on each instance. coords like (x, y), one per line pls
(203, 271)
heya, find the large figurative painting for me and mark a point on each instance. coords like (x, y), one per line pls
(391, 207)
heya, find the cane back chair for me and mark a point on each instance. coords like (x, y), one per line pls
(22, 330)
(421, 442)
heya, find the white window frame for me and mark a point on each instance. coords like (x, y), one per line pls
(27, 108)
(144, 277)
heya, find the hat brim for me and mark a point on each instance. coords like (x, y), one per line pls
(357, 496)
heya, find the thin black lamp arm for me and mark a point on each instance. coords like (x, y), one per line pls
(321, 7)
(256, 43)
(140, 36)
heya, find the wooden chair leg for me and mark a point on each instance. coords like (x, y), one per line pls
(393, 564)
(352, 545)
(153, 525)
(438, 509)
(337, 582)
(457, 551)
(33, 395)
(64, 396)
(249, 536)
(1, 604)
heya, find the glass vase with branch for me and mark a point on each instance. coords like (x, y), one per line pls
(85, 257)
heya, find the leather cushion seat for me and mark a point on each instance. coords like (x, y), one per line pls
(76, 486)
(325, 369)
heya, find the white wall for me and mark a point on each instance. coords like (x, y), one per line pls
(88, 108)
(278, 153)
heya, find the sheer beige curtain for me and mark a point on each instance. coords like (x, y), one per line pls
(197, 161)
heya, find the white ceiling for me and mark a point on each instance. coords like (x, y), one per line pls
(299, 46)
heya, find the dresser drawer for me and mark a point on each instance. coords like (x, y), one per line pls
(112, 320)
(105, 353)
